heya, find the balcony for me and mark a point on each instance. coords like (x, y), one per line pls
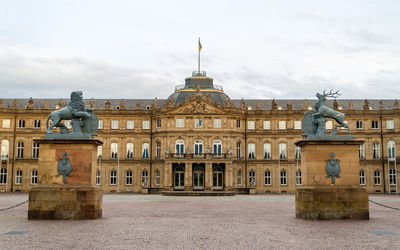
(198, 156)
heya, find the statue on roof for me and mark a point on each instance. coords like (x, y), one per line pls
(122, 104)
(46, 104)
(314, 121)
(107, 105)
(84, 122)
(30, 104)
(91, 104)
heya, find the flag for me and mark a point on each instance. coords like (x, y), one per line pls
(200, 47)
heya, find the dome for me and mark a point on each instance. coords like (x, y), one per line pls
(199, 84)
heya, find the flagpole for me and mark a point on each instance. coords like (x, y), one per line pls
(199, 58)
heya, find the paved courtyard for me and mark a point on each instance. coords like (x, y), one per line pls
(238, 222)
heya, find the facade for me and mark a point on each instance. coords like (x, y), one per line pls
(200, 139)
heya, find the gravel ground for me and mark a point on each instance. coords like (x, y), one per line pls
(238, 222)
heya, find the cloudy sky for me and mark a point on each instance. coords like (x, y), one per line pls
(255, 49)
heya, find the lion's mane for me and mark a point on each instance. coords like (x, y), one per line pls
(76, 101)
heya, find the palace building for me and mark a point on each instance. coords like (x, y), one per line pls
(200, 139)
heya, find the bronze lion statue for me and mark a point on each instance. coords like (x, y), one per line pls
(75, 110)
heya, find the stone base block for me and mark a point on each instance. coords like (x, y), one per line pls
(65, 202)
(331, 203)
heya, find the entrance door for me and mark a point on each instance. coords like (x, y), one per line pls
(179, 177)
(218, 177)
(198, 177)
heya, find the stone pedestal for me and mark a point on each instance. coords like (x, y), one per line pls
(320, 199)
(78, 197)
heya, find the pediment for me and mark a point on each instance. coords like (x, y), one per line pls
(198, 106)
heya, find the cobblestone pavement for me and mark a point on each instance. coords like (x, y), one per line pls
(238, 222)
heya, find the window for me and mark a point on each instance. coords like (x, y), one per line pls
(36, 124)
(377, 177)
(130, 124)
(5, 148)
(180, 123)
(145, 150)
(239, 178)
(34, 177)
(179, 147)
(129, 150)
(21, 124)
(98, 177)
(359, 124)
(282, 151)
(158, 123)
(128, 179)
(100, 124)
(99, 152)
(297, 153)
(267, 178)
(267, 151)
(114, 124)
(391, 146)
(267, 125)
(389, 124)
(252, 151)
(298, 177)
(158, 149)
(113, 177)
(328, 125)
(283, 178)
(375, 124)
(18, 177)
(217, 147)
(145, 178)
(198, 123)
(198, 147)
(3, 176)
(239, 150)
(20, 150)
(114, 150)
(376, 151)
(252, 177)
(157, 177)
(392, 176)
(362, 177)
(238, 123)
(251, 124)
(217, 123)
(297, 124)
(282, 125)
(361, 152)
(145, 124)
(35, 150)
(6, 123)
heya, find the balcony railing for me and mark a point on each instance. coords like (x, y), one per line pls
(199, 156)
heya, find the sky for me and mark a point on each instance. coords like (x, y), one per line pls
(254, 49)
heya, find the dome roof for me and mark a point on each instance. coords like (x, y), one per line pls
(199, 84)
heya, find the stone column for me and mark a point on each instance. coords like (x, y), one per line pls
(188, 177)
(208, 176)
(228, 177)
(168, 176)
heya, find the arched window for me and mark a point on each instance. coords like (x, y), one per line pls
(362, 177)
(113, 177)
(179, 147)
(157, 177)
(5, 149)
(3, 176)
(145, 150)
(198, 147)
(114, 150)
(98, 177)
(34, 177)
(267, 178)
(145, 178)
(283, 178)
(252, 151)
(128, 177)
(298, 177)
(282, 151)
(217, 147)
(391, 146)
(18, 177)
(20, 150)
(267, 151)
(129, 150)
(239, 177)
(392, 177)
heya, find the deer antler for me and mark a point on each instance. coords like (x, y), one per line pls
(330, 94)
